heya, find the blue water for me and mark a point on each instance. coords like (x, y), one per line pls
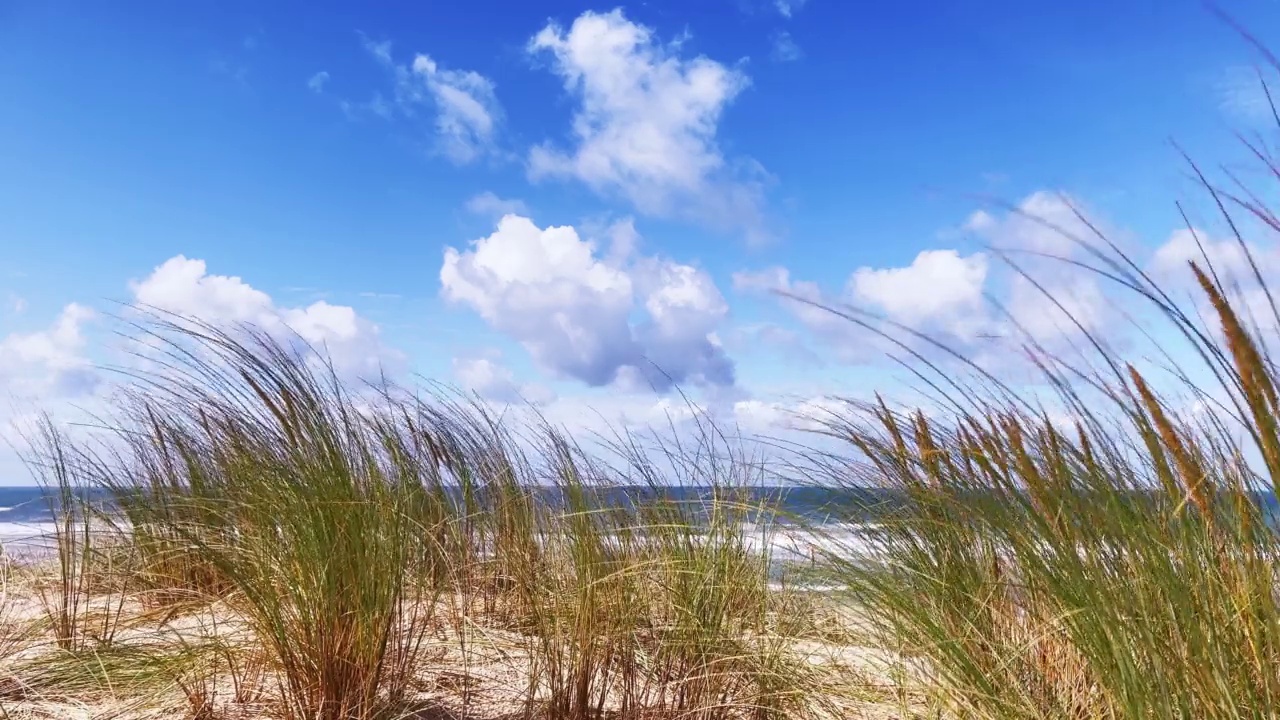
(812, 505)
(29, 505)
(23, 505)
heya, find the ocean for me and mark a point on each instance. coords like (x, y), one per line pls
(27, 520)
(807, 521)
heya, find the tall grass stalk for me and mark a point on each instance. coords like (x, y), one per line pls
(1120, 564)
(257, 474)
(78, 621)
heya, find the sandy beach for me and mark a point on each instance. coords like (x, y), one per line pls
(475, 663)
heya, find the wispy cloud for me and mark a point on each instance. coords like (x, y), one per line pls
(252, 39)
(234, 63)
(317, 82)
(755, 337)
(466, 111)
(785, 48)
(236, 70)
(787, 8)
(488, 204)
(1242, 93)
(379, 49)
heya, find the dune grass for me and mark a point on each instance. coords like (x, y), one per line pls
(370, 543)
(1120, 563)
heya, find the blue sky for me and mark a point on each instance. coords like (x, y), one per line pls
(345, 169)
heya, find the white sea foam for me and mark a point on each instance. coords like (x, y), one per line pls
(23, 541)
(794, 544)
(790, 545)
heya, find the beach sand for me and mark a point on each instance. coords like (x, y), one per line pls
(476, 666)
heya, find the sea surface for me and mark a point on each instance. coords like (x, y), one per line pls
(26, 521)
(803, 514)
(802, 522)
(806, 522)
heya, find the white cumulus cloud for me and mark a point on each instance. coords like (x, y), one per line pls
(1044, 222)
(493, 381)
(44, 373)
(1227, 257)
(50, 362)
(1233, 264)
(944, 293)
(183, 286)
(467, 109)
(646, 124)
(601, 320)
(1048, 301)
(938, 285)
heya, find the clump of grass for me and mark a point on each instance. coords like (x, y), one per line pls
(714, 593)
(78, 620)
(256, 474)
(15, 631)
(131, 671)
(215, 673)
(659, 601)
(349, 525)
(1119, 565)
(627, 601)
(17, 634)
(574, 583)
